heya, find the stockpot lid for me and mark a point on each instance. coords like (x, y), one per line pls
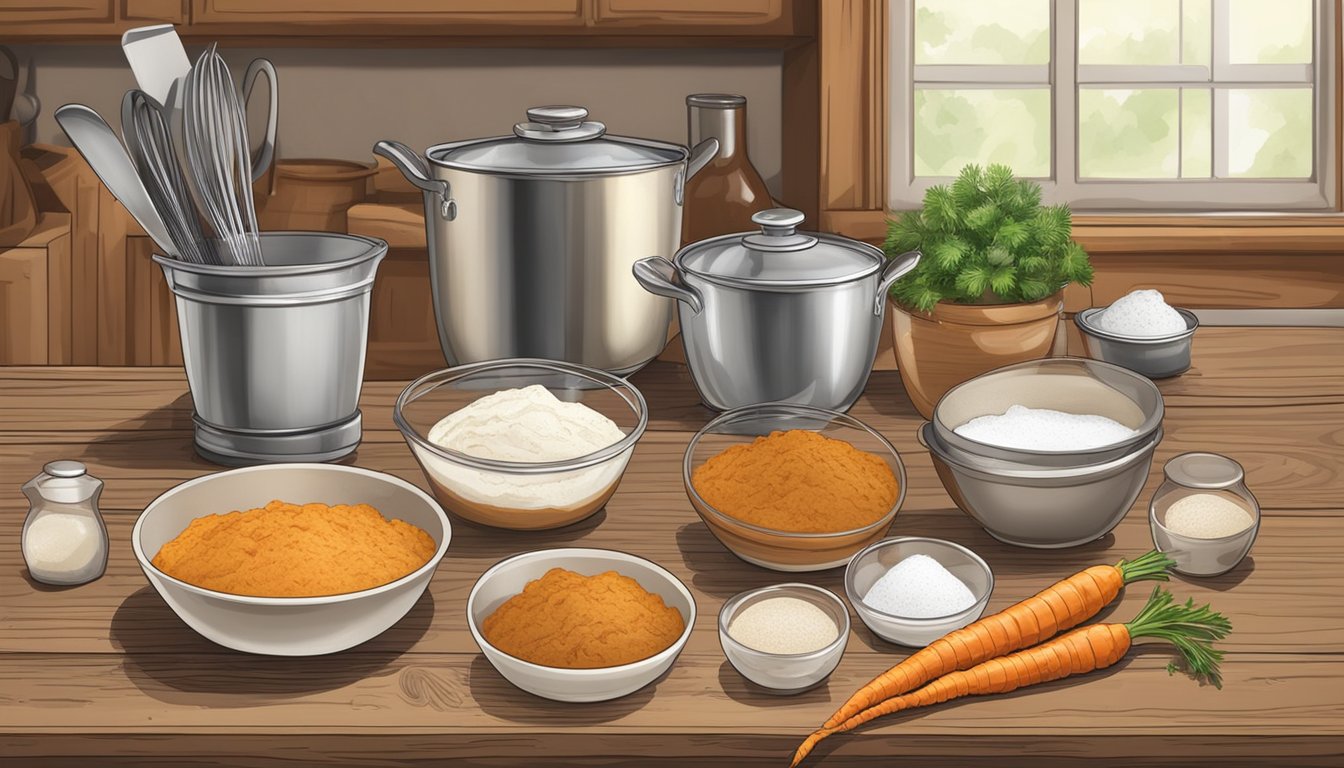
(557, 140)
(780, 256)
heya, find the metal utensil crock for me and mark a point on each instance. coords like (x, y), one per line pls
(778, 315)
(275, 354)
(531, 238)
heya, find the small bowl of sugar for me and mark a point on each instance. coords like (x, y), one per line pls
(1141, 332)
(912, 590)
(786, 638)
(1203, 516)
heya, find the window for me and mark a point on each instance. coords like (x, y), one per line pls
(1119, 104)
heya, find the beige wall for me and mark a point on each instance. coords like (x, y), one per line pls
(338, 102)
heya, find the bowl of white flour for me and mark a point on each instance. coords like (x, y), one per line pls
(522, 444)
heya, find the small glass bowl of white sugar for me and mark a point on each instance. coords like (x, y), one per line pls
(785, 638)
(1203, 516)
(912, 590)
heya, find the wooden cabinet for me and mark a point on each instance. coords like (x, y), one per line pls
(27, 11)
(535, 23)
(372, 15)
(697, 12)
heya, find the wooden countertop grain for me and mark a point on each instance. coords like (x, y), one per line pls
(105, 674)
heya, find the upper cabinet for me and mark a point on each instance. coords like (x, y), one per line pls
(22, 11)
(422, 22)
(82, 19)
(456, 16)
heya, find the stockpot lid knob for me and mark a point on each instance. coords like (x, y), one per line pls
(779, 231)
(558, 123)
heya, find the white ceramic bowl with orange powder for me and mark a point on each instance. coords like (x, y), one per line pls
(509, 576)
(783, 550)
(288, 626)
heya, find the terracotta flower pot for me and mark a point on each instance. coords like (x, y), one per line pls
(938, 350)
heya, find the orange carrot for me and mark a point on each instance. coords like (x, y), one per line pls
(1192, 630)
(1061, 606)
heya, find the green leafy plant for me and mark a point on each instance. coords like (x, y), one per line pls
(986, 239)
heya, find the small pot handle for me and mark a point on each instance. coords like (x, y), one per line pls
(921, 434)
(265, 154)
(659, 276)
(413, 167)
(896, 269)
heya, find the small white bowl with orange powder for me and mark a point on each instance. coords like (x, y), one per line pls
(793, 488)
(346, 593)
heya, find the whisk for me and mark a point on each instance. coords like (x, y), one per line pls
(150, 142)
(217, 148)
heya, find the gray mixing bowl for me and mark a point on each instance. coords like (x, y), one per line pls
(1070, 384)
(1042, 508)
(1156, 357)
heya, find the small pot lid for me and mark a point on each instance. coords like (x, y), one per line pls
(781, 256)
(557, 140)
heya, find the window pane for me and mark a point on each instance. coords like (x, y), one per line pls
(1269, 31)
(982, 32)
(956, 127)
(1128, 31)
(1196, 31)
(1269, 132)
(1196, 133)
(1128, 133)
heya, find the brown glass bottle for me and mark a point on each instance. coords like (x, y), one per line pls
(722, 197)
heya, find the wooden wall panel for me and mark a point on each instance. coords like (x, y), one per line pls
(852, 40)
(23, 306)
(1227, 280)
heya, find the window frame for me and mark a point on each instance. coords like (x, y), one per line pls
(1318, 194)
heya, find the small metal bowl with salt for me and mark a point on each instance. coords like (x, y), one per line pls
(786, 638)
(912, 590)
(1140, 332)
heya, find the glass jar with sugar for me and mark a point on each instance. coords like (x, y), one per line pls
(1203, 516)
(64, 539)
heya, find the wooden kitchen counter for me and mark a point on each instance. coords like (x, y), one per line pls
(105, 674)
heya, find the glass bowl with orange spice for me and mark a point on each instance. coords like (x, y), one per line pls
(791, 487)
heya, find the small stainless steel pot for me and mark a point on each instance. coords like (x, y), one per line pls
(778, 315)
(532, 236)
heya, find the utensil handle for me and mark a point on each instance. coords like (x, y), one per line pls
(413, 167)
(896, 269)
(659, 277)
(265, 154)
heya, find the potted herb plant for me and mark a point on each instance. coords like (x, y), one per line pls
(989, 290)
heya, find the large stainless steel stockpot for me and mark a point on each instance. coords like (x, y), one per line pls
(778, 315)
(532, 237)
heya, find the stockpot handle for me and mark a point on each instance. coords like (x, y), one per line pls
(413, 167)
(659, 277)
(897, 268)
(699, 157)
(265, 155)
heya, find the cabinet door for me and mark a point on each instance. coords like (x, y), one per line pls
(691, 12)
(337, 12)
(14, 11)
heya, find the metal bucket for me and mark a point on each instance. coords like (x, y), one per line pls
(275, 354)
